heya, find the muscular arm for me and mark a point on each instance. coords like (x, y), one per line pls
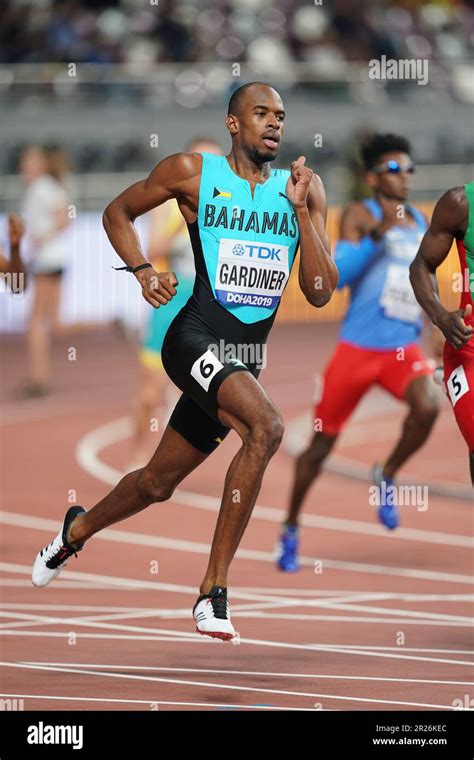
(175, 177)
(317, 272)
(448, 222)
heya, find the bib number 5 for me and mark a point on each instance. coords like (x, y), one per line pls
(457, 384)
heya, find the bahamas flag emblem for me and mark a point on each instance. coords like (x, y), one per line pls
(219, 192)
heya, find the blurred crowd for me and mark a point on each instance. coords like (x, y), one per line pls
(129, 31)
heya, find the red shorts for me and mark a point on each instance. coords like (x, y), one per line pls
(352, 371)
(459, 380)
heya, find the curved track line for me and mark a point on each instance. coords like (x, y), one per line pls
(233, 687)
(295, 435)
(92, 443)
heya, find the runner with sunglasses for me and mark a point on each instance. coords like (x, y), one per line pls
(379, 340)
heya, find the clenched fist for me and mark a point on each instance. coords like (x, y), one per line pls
(298, 183)
(157, 287)
(454, 328)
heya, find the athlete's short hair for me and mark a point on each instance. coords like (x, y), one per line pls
(237, 97)
(379, 144)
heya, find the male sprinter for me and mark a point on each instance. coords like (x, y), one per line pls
(245, 222)
(169, 247)
(453, 218)
(378, 344)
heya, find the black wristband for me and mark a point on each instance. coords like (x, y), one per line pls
(133, 269)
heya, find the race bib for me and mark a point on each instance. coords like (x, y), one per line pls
(457, 384)
(250, 273)
(205, 367)
(398, 299)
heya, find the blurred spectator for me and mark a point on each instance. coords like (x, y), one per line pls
(116, 31)
(45, 210)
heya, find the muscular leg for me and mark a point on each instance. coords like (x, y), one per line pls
(173, 460)
(246, 407)
(422, 399)
(307, 468)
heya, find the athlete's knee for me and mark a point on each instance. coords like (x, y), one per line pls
(426, 410)
(319, 448)
(266, 434)
(153, 489)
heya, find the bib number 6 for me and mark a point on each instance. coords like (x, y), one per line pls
(205, 367)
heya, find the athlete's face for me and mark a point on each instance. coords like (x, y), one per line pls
(259, 126)
(387, 180)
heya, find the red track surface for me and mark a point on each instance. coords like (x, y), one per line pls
(384, 626)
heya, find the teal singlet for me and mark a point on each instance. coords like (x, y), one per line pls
(244, 246)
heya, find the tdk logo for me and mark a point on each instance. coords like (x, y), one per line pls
(257, 251)
(41, 734)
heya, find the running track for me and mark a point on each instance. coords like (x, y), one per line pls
(385, 625)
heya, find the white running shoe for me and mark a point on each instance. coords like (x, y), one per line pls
(212, 615)
(53, 558)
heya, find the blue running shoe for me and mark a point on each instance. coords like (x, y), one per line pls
(387, 509)
(287, 559)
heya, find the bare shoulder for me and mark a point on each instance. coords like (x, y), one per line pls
(356, 210)
(452, 211)
(177, 169)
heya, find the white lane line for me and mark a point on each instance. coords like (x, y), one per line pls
(329, 604)
(87, 455)
(263, 673)
(56, 607)
(298, 430)
(353, 619)
(142, 539)
(30, 623)
(39, 620)
(311, 618)
(173, 588)
(153, 702)
(76, 608)
(262, 611)
(203, 640)
(188, 638)
(394, 611)
(233, 687)
(402, 595)
(61, 585)
(408, 649)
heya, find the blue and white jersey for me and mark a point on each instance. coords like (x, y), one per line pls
(383, 313)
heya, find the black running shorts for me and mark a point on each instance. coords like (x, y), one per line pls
(193, 359)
